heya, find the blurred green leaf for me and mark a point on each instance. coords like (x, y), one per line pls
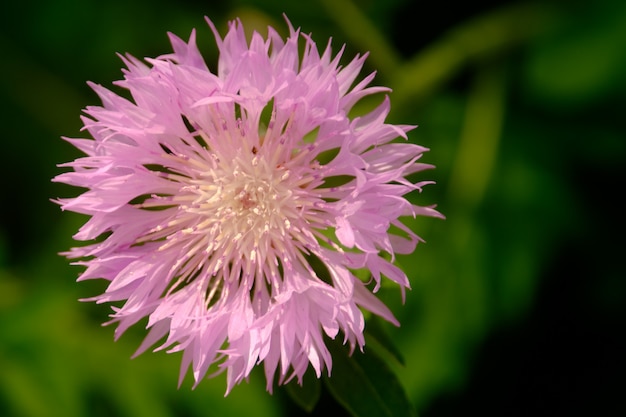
(55, 360)
(308, 394)
(377, 338)
(478, 142)
(365, 385)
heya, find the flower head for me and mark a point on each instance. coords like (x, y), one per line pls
(233, 209)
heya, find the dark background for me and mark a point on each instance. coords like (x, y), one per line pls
(518, 301)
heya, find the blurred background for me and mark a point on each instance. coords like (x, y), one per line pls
(518, 304)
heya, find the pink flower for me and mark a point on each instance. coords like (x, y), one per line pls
(233, 209)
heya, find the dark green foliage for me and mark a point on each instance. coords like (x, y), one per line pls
(522, 107)
(365, 385)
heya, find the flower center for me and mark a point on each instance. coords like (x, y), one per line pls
(240, 198)
(244, 215)
(246, 199)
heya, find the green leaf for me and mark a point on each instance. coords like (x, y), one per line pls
(307, 394)
(377, 338)
(365, 386)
